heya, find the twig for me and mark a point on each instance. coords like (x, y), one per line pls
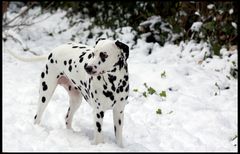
(18, 15)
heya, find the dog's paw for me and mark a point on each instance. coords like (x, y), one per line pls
(94, 142)
(36, 122)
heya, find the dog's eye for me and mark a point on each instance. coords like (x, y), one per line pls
(103, 55)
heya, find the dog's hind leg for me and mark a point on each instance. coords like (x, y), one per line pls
(48, 85)
(75, 99)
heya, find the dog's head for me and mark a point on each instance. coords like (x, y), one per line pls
(108, 57)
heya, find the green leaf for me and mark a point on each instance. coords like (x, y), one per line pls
(216, 48)
(144, 94)
(151, 90)
(159, 111)
(135, 90)
(163, 94)
(163, 75)
(145, 84)
(209, 25)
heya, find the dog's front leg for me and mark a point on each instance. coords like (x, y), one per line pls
(118, 124)
(98, 121)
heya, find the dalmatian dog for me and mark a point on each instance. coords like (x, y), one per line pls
(99, 75)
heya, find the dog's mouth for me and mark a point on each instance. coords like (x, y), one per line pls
(92, 73)
(95, 73)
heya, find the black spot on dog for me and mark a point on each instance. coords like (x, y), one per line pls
(65, 62)
(81, 60)
(109, 94)
(56, 61)
(124, 83)
(50, 56)
(74, 46)
(114, 103)
(42, 75)
(111, 79)
(126, 77)
(70, 68)
(83, 53)
(99, 62)
(113, 88)
(102, 114)
(88, 50)
(69, 88)
(92, 94)
(43, 99)
(73, 81)
(35, 117)
(103, 56)
(119, 121)
(126, 97)
(95, 91)
(57, 76)
(61, 73)
(81, 82)
(121, 111)
(120, 63)
(98, 116)
(51, 61)
(114, 70)
(98, 126)
(70, 61)
(82, 47)
(121, 99)
(115, 130)
(45, 87)
(99, 77)
(127, 88)
(89, 56)
(75, 88)
(105, 86)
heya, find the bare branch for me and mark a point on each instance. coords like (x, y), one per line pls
(20, 14)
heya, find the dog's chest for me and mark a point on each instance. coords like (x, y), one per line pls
(103, 91)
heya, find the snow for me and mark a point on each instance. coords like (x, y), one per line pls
(198, 114)
(196, 26)
(210, 6)
(234, 25)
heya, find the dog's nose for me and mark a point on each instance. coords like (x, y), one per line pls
(89, 69)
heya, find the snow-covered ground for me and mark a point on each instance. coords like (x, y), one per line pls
(199, 112)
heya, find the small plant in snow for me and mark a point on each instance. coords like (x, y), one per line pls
(151, 90)
(144, 94)
(163, 94)
(163, 74)
(159, 111)
(135, 90)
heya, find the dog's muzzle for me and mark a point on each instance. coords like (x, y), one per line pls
(89, 69)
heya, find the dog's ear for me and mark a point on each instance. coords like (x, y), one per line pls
(124, 47)
(100, 40)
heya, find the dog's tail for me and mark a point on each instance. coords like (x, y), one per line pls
(28, 59)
